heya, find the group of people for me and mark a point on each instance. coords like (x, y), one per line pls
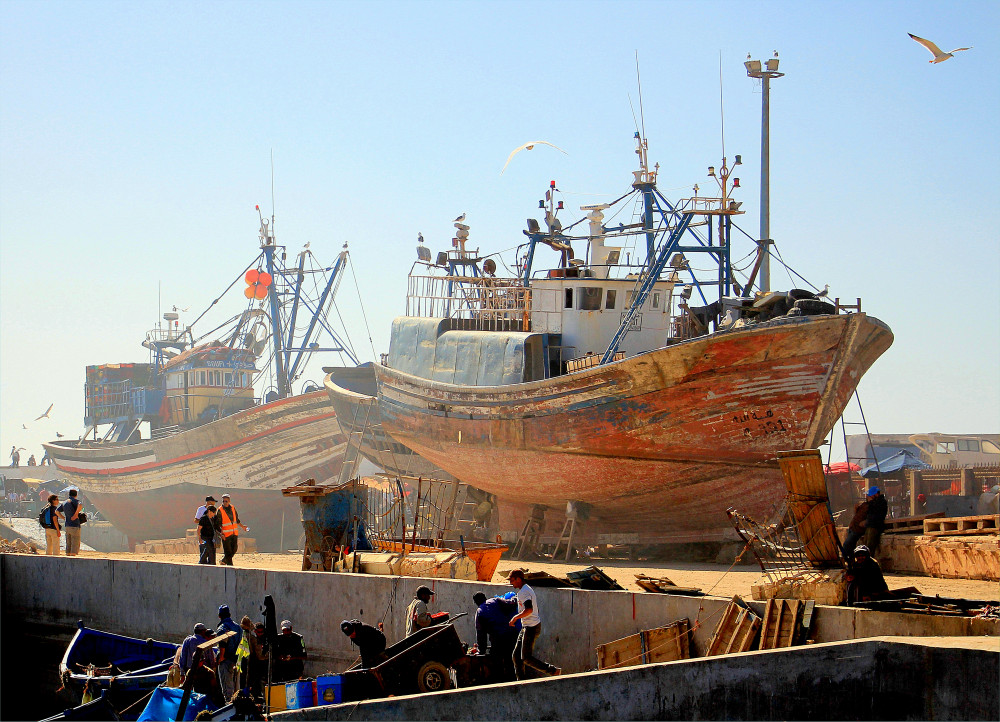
(507, 628)
(864, 575)
(221, 522)
(58, 518)
(238, 662)
(15, 458)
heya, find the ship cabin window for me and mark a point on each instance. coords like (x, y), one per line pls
(218, 378)
(569, 298)
(968, 445)
(229, 379)
(610, 303)
(590, 298)
(614, 256)
(201, 378)
(656, 299)
(990, 448)
(946, 447)
(629, 299)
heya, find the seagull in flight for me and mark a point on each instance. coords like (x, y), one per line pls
(24, 427)
(459, 219)
(46, 414)
(528, 146)
(939, 55)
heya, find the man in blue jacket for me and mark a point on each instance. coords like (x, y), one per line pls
(493, 626)
(228, 670)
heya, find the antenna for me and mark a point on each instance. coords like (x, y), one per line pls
(632, 108)
(638, 82)
(272, 186)
(722, 111)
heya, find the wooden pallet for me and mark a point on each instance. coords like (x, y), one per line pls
(663, 644)
(736, 631)
(985, 524)
(783, 621)
(909, 524)
(663, 585)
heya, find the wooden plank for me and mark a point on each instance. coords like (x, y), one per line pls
(782, 618)
(735, 632)
(663, 644)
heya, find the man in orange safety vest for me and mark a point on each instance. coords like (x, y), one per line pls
(231, 525)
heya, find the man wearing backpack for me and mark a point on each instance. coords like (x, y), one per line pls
(49, 519)
(71, 509)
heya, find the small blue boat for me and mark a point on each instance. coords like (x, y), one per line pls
(121, 665)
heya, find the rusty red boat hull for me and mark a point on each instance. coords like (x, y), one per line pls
(150, 490)
(659, 444)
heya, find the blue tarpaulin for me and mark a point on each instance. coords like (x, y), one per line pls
(163, 705)
(902, 460)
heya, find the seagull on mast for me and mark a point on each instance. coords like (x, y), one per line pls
(939, 55)
(46, 414)
(459, 219)
(529, 146)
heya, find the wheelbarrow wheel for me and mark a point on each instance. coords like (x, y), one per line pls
(433, 677)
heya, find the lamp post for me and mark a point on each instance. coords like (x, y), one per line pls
(764, 74)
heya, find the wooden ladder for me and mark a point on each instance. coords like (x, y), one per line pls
(527, 541)
(566, 537)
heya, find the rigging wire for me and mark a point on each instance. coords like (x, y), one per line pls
(363, 315)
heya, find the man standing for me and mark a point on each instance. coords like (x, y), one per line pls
(369, 641)
(71, 511)
(531, 628)
(230, 521)
(15, 457)
(202, 674)
(201, 509)
(53, 530)
(289, 653)
(228, 671)
(418, 615)
(493, 629)
(206, 531)
(878, 509)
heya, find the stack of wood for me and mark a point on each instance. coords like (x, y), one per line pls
(962, 525)
(663, 585)
(786, 623)
(190, 544)
(663, 644)
(924, 604)
(909, 524)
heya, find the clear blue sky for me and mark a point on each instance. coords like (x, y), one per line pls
(135, 140)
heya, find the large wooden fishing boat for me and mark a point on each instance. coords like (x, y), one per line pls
(594, 389)
(187, 423)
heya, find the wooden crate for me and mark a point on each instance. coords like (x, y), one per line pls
(949, 526)
(663, 644)
(782, 622)
(909, 524)
(736, 631)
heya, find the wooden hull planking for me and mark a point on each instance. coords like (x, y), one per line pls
(659, 444)
(150, 490)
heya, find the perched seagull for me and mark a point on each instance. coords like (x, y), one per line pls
(528, 146)
(182, 310)
(459, 219)
(24, 427)
(58, 435)
(826, 290)
(939, 55)
(46, 414)
(420, 238)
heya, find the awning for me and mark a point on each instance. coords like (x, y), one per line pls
(896, 462)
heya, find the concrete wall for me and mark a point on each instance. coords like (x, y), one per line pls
(103, 536)
(163, 600)
(872, 680)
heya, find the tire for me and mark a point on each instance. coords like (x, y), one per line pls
(797, 294)
(433, 677)
(815, 307)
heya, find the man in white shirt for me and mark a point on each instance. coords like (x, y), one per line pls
(201, 509)
(531, 628)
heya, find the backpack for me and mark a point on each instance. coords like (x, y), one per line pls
(44, 518)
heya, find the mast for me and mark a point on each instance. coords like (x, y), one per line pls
(267, 245)
(754, 70)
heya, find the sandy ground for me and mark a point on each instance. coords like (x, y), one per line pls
(715, 579)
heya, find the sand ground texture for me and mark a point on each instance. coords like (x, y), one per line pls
(716, 579)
